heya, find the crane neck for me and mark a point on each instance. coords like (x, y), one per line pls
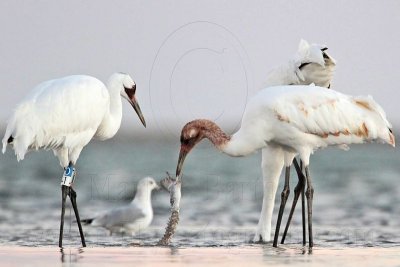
(112, 119)
(214, 133)
(239, 144)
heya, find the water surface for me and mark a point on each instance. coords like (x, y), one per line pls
(356, 201)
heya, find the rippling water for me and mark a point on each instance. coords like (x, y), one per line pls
(356, 201)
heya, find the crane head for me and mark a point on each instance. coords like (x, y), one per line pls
(191, 134)
(129, 93)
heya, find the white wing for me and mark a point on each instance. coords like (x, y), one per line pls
(328, 114)
(59, 112)
(119, 217)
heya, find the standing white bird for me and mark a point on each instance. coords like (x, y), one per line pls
(132, 218)
(299, 120)
(311, 64)
(64, 115)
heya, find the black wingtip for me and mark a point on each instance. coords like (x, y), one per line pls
(10, 139)
(87, 221)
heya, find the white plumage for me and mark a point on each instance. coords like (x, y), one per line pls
(297, 120)
(132, 218)
(311, 64)
(301, 119)
(66, 113)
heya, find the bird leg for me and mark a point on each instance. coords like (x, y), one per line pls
(64, 194)
(66, 190)
(297, 191)
(284, 197)
(72, 196)
(303, 208)
(309, 195)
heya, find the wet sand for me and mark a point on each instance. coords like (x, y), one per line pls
(202, 256)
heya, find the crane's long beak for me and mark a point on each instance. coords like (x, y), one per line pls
(136, 107)
(182, 156)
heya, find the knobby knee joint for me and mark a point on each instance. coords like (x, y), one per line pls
(309, 192)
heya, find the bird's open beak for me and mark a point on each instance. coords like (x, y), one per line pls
(136, 107)
(182, 156)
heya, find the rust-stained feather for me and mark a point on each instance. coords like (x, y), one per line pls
(392, 139)
(363, 104)
(282, 117)
(302, 108)
(362, 131)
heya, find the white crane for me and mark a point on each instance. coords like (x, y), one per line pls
(299, 120)
(311, 64)
(64, 115)
(131, 218)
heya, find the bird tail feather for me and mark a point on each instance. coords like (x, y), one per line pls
(20, 132)
(8, 138)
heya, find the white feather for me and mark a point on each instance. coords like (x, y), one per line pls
(317, 69)
(131, 218)
(65, 114)
(302, 119)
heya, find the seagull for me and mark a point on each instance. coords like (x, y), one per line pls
(299, 120)
(64, 115)
(310, 65)
(132, 218)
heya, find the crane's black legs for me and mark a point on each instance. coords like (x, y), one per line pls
(303, 209)
(284, 197)
(72, 196)
(64, 194)
(299, 189)
(309, 195)
(67, 190)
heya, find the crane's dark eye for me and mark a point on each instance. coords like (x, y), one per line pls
(130, 92)
(185, 141)
(323, 49)
(390, 130)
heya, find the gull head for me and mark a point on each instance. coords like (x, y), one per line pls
(147, 184)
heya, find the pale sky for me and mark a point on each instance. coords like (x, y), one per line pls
(195, 59)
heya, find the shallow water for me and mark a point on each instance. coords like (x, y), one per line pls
(260, 255)
(356, 201)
